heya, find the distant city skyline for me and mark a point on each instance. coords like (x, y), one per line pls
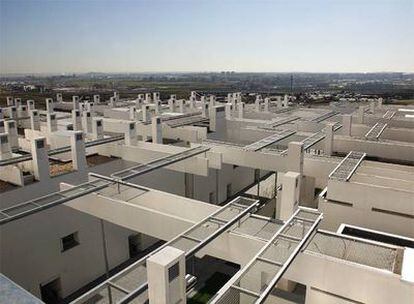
(318, 36)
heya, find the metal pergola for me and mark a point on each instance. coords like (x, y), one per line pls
(56, 198)
(131, 283)
(92, 143)
(269, 140)
(324, 116)
(281, 121)
(158, 163)
(254, 282)
(375, 132)
(347, 167)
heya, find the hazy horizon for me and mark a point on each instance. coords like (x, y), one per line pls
(297, 36)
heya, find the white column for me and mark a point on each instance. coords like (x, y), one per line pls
(112, 102)
(21, 112)
(116, 96)
(295, 157)
(145, 113)
(229, 98)
(346, 124)
(266, 104)
(290, 195)
(148, 97)
(13, 112)
(203, 109)
(241, 109)
(5, 148)
(75, 102)
(87, 121)
(156, 96)
(141, 98)
(286, 101)
(279, 103)
(17, 102)
(329, 138)
(51, 122)
(97, 128)
(40, 159)
(234, 100)
(96, 99)
(372, 107)
(10, 127)
(76, 120)
(166, 277)
(131, 134)
(257, 103)
(380, 102)
(213, 118)
(78, 152)
(171, 105)
(132, 111)
(212, 102)
(34, 119)
(228, 110)
(49, 105)
(157, 104)
(361, 114)
(180, 106)
(156, 130)
(30, 105)
(10, 101)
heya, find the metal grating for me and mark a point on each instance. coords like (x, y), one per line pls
(324, 116)
(133, 280)
(281, 121)
(375, 132)
(267, 141)
(183, 121)
(158, 163)
(214, 143)
(353, 250)
(257, 279)
(56, 198)
(389, 115)
(347, 166)
(44, 202)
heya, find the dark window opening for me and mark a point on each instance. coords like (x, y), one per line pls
(70, 241)
(50, 292)
(173, 272)
(378, 237)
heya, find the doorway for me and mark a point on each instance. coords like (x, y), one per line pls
(51, 291)
(134, 243)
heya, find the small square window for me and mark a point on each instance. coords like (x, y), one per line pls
(11, 124)
(99, 123)
(70, 241)
(88, 114)
(78, 136)
(40, 144)
(173, 272)
(4, 140)
(212, 197)
(132, 126)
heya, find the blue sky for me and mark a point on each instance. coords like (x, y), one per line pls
(151, 36)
